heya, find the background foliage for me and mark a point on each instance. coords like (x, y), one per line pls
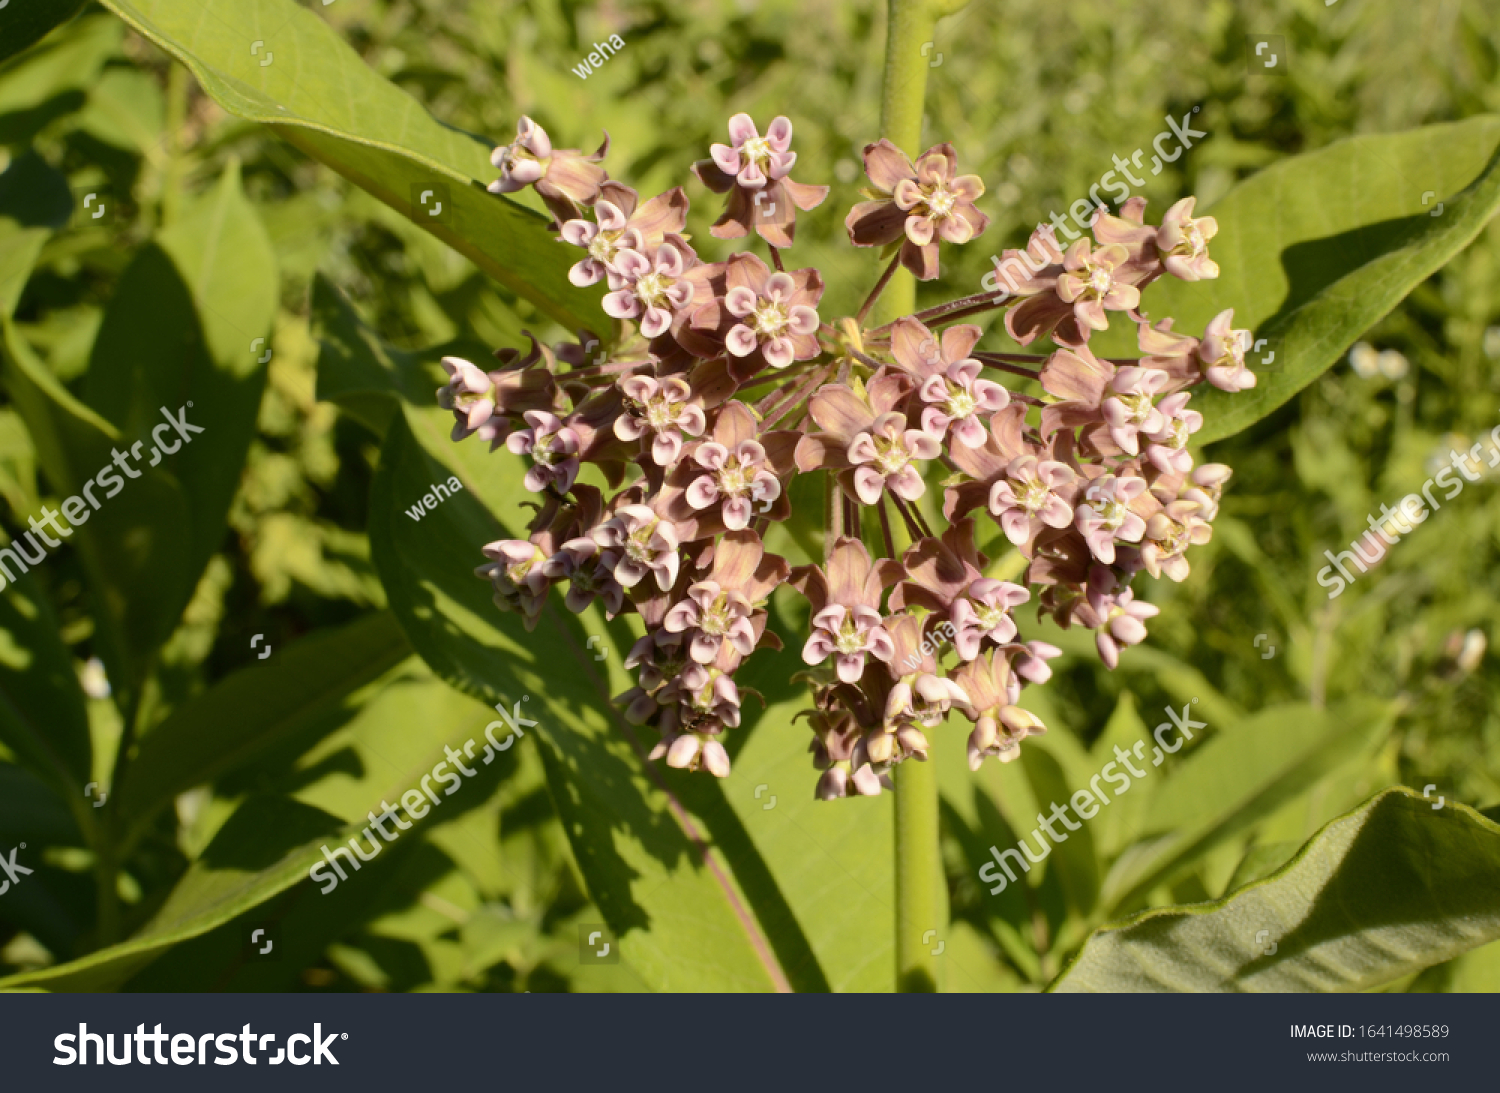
(285, 518)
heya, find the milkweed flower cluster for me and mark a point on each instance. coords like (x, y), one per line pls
(659, 464)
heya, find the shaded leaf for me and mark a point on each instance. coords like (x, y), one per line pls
(1315, 249)
(256, 708)
(186, 331)
(1387, 890)
(680, 917)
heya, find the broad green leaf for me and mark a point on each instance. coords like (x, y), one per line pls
(1077, 862)
(1240, 776)
(682, 920)
(1387, 890)
(364, 376)
(276, 62)
(132, 546)
(42, 716)
(24, 25)
(1315, 249)
(1475, 972)
(34, 202)
(373, 751)
(52, 80)
(187, 333)
(393, 742)
(257, 708)
(831, 860)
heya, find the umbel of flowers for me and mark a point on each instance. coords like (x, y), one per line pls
(726, 380)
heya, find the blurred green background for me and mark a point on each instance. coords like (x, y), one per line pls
(1036, 97)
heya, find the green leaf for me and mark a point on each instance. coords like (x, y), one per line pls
(188, 327)
(1315, 249)
(680, 915)
(309, 85)
(257, 708)
(373, 750)
(831, 860)
(1389, 889)
(1239, 777)
(51, 81)
(1076, 860)
(34, 202)
(42, 716)
(132, 545)
(364, 376)
(24, 25)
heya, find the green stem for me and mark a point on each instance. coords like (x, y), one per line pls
(902, 97)
(921, 903)
(172, 176)
(921, 895)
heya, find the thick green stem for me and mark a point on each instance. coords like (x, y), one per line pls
(921, 896)
(902, 97)
(176, 166)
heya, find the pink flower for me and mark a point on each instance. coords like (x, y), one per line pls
(1183, 242)
(515, 569)
(740, 479)
(884, 458)
(753, 159)
(643, 543)
(1105, 515)
(776, 316)
(618, 226)
(1000, 725)
(553, 448)
(664, 408)
(590, 573)
(470, 394)
(710, 616)
(957, 399)
(1092, 286)
(1167, 450)
(564, 178)
(1123, 618)
(1223, 354)
(1207, 487)
(651, 288)
(1128, 410)
(1037, 494)
(1169, 533)
(721, 618)
(846, 620)
(753, 170)
(924, 203)
(984, 613)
